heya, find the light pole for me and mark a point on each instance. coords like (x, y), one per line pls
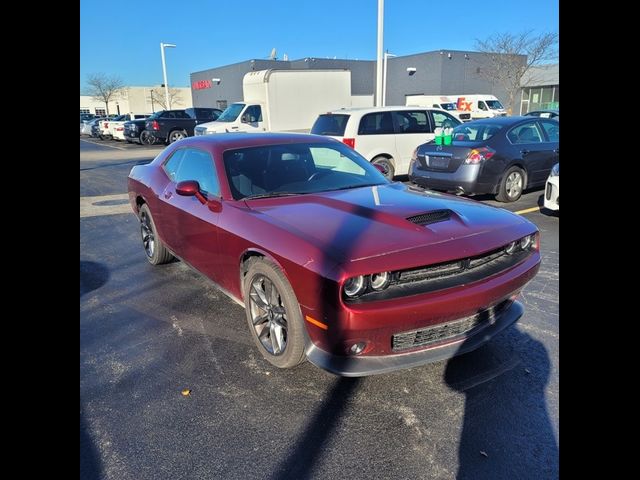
(379, 57)
(384, 84)
(164, 70)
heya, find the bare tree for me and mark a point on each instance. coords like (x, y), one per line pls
(103, 87)
(157, 96)
(510, 56)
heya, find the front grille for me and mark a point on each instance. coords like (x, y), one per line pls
(447, 331)
(430, 217)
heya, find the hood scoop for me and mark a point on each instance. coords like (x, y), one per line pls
(428, 218)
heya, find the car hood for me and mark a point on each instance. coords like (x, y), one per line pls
(360, 225)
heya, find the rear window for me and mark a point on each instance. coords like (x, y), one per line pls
(475, 132)
(328, 124)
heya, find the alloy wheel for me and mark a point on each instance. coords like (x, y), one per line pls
(268, 315)
(514, 184)
(148, 239)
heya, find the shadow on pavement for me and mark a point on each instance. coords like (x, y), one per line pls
(507, 432)
(309, 447)
(92, 276)
(90, 464)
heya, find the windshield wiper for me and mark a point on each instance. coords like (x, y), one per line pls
(272, 194)
(361, 185)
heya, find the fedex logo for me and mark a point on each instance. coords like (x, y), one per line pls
(464, 106)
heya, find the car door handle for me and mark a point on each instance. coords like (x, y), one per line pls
(557, 150)
(524, 151)
(168, 195)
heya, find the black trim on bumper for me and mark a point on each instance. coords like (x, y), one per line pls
(362, 366)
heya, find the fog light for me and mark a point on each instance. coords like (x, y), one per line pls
(357, 348)
(511, 248)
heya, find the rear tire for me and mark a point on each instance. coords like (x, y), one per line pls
(512, 185)
(387, 165)
(146, 138)
(154, 249)
(177, 135)
(273, 314)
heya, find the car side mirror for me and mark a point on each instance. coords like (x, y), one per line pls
(190, 188)
(244, 118)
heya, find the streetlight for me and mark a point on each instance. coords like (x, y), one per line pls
(379, 57)
(164, 70)
(384, 84)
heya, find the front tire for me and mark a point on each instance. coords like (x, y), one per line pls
(154, 249)
(512, 185)
(273, 314)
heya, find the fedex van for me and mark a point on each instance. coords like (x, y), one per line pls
(480, 106)
(438, 101)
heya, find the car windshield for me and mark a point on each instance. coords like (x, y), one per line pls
(297, 168)
(448, 106)
(475, 132)
(231, 113)
(494, 105)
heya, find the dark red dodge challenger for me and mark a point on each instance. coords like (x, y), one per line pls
(332, 262)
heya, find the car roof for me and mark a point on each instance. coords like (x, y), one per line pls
(244, 139)
(544, 111)
(501, 120)
(380, 109)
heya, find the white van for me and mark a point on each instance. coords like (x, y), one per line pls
(386, 136)
(480, 106)
(438, 101)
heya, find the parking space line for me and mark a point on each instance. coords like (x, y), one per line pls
(527, 210)
(102, 144)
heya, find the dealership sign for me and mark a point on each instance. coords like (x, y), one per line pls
(201, 84)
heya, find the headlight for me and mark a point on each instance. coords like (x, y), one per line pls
(355, 286)
(555, 171)
(380, 281)
(511, 248)
(526, 242)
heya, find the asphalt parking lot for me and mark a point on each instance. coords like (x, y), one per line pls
(148, 333)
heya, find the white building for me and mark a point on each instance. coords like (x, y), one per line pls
(138, 100)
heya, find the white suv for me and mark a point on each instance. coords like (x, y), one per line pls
(386, 136)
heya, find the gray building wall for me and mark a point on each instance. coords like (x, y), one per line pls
(363, 72)
(451, 72)
(230, 86)
(445, 72)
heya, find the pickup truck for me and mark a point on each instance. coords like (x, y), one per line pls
(113, 128)
(169, 126)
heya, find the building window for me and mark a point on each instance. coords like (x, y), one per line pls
(101, 112)
(222, 104)
(84, 110)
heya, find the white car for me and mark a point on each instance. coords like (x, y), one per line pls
(552, 189)
(386, 136)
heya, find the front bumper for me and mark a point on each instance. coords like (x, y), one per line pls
(552, 193)
(464, 180)
(354, 366)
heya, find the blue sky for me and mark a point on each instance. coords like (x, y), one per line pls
(123, 37)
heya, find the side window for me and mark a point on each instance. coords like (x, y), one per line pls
(171, 166)
(198, 165)
(254, 114)
(412, 122)
(527, 133)
(179, 114)
(481, 105)
(552, 130)
(444, 120)
(376, 124)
